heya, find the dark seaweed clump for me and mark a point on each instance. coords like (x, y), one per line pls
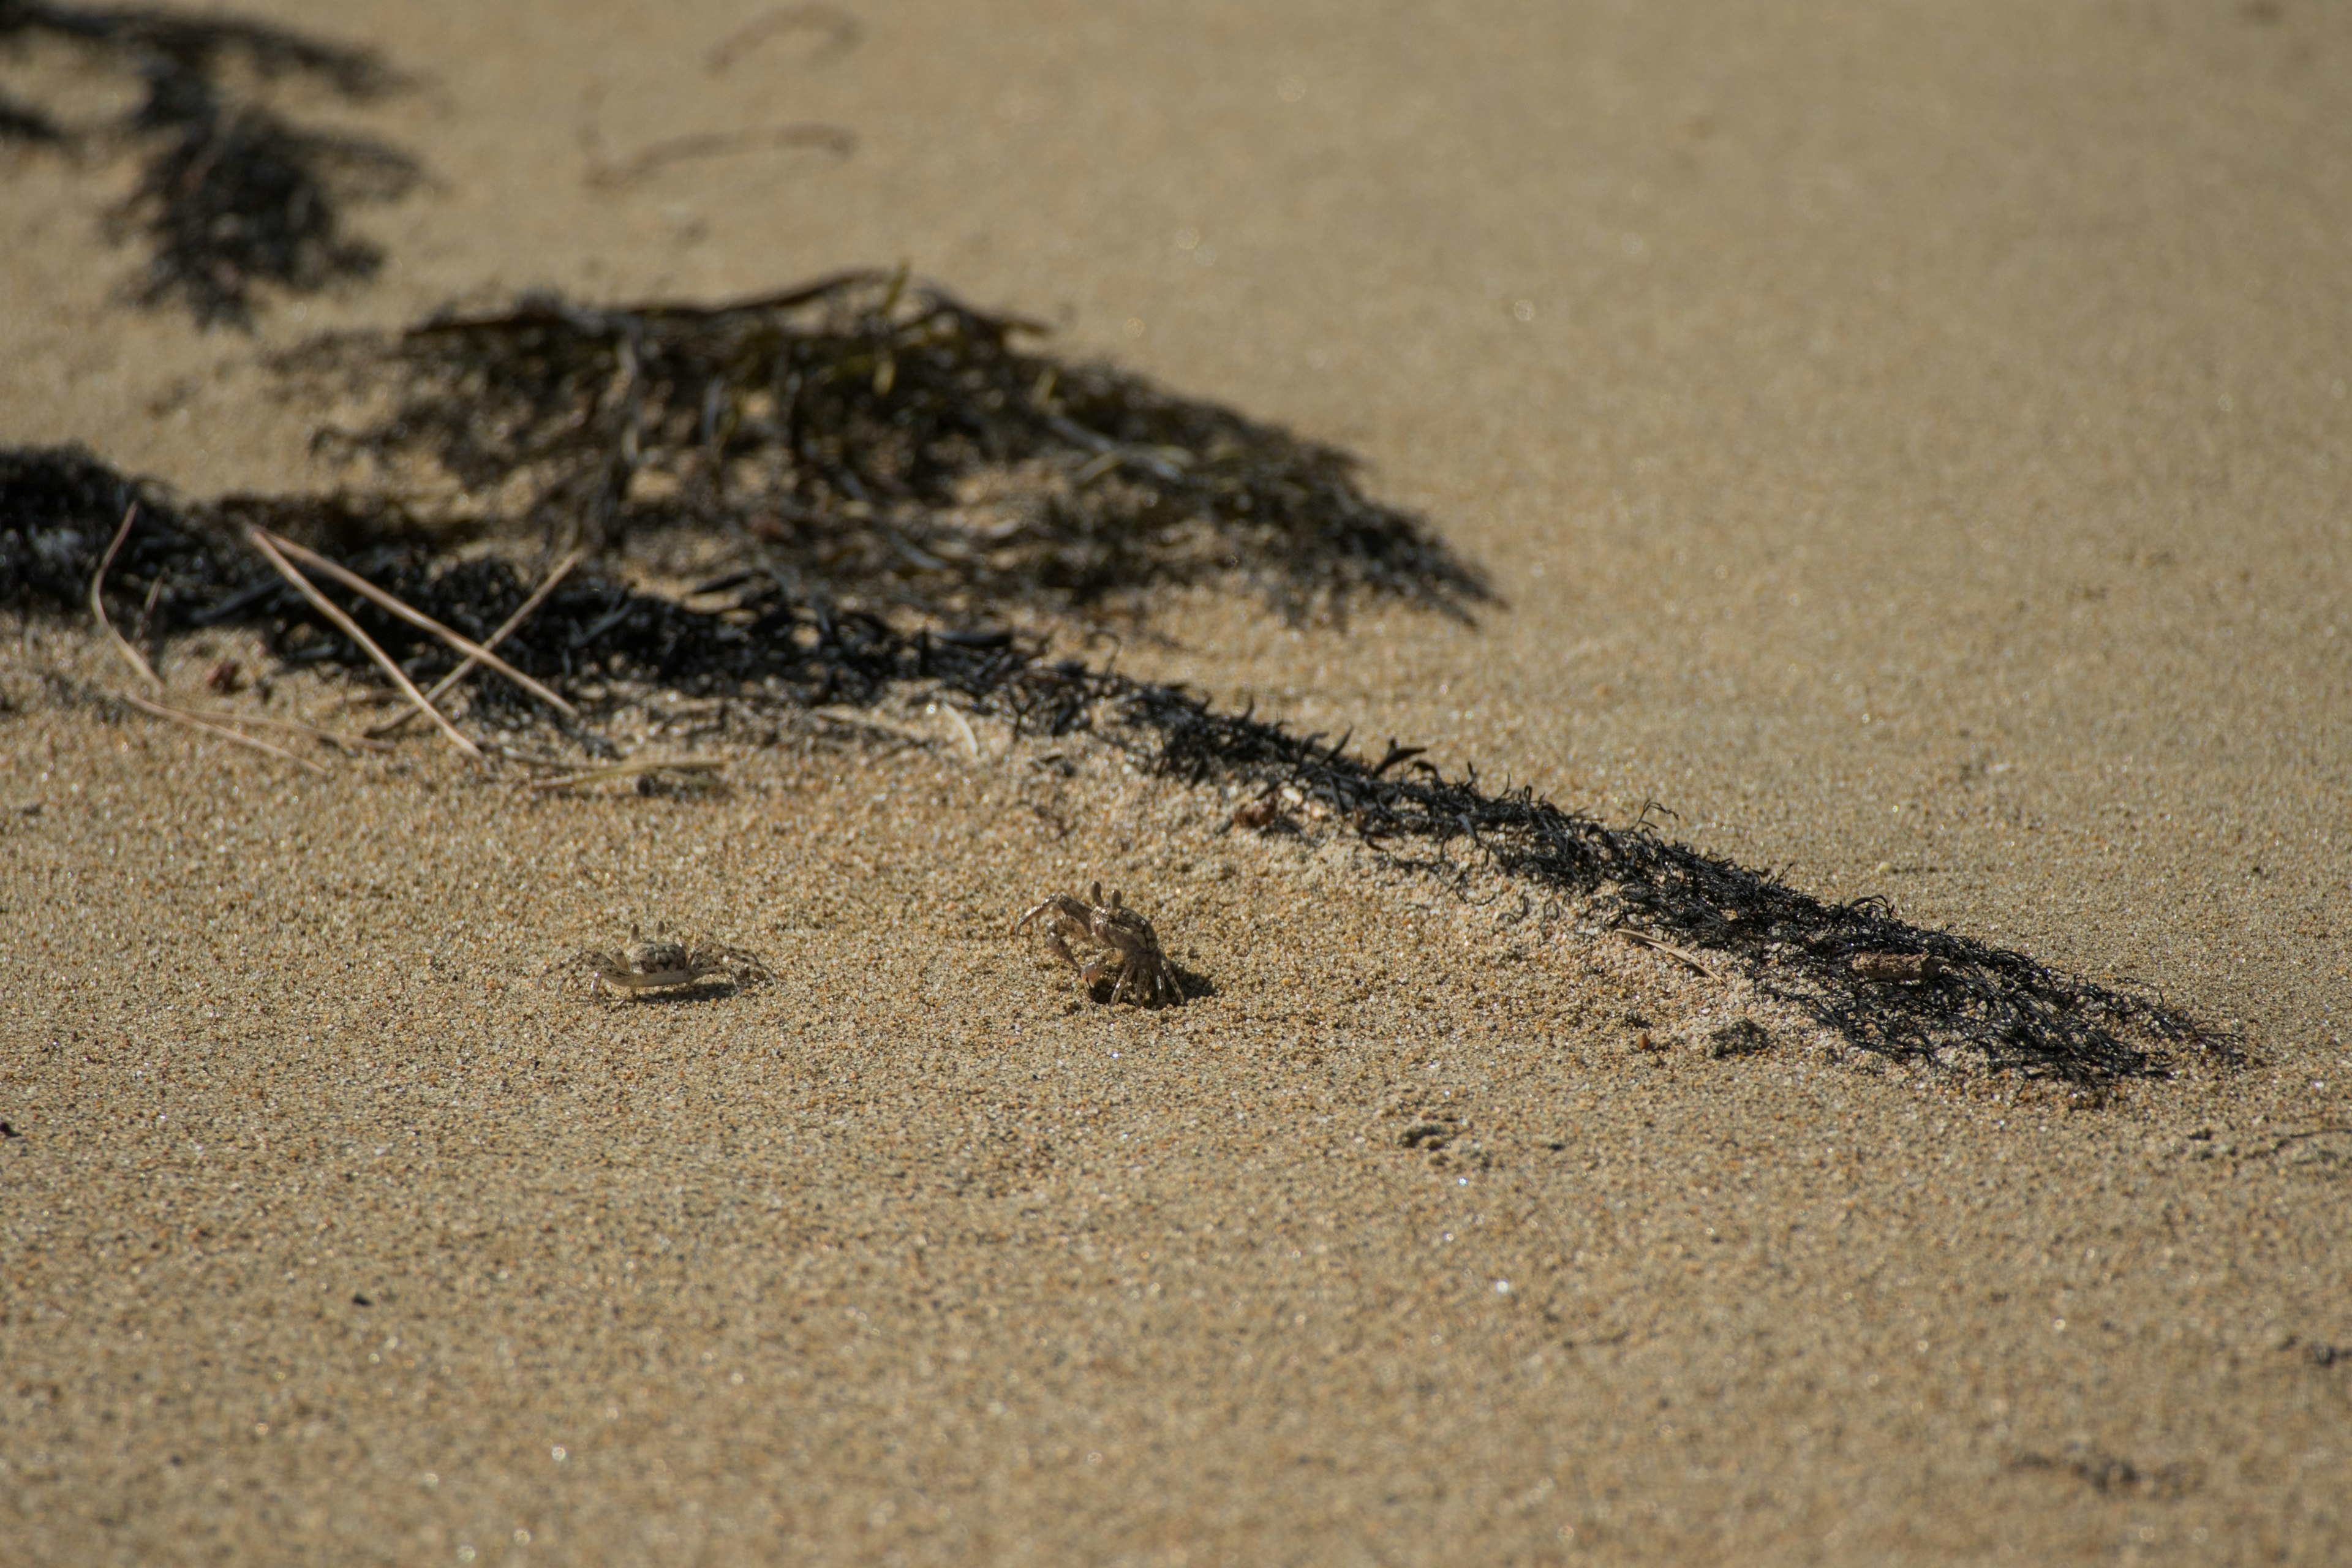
(59, 507)
(878, 446)
(751, 641)
(184, 568)
(231, 195)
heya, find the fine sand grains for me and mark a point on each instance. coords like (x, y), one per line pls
(1912, 447)
(1421, 1217)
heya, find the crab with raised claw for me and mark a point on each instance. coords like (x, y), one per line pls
(1130, 955)
(659, 962)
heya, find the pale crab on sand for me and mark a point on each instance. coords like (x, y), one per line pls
(661, 961)
(1130, 947)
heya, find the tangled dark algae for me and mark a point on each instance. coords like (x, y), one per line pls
(884, 445)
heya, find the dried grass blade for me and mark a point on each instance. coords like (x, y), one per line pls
(629, 770)
(350, 628)
(131, 654)
(419, 620)
(1670, 950)
(850, 719)
(223, 731)
(506, 630)
(296, 726)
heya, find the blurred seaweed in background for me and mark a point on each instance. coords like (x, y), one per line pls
(231, 195)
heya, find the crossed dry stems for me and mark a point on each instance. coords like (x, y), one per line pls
(280, 553)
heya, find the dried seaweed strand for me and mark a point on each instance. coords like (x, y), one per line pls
(778, 647)
(844, 32)
(606, 173)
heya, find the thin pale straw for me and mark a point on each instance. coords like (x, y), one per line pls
(349, 742)
(964, 728)
(418, 618)
(1669, 949)
(223, 731)
(849, 718)
(350, 628)
(131, 656)
(538, 597)
(629, 770)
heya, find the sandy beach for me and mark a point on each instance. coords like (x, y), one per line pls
(1911, 451)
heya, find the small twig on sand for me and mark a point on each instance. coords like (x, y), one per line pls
(628, 769)
(296, 726)
(350, 628)
(223, 731)
(131, 656)
(605, 174)
(849, 718)
(538, 597)
(532, 760)
(2296, 1138)
(1670, 950)
(843, 32)
(147, 609)
(476, 652)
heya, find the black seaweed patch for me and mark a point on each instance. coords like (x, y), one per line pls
(231, 195)
(58, 508)
(882, 446)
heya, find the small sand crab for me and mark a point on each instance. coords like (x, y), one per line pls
(1130, 947)
(660, 961)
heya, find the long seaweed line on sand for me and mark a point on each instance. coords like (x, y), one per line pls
(760, 645)
(1999, 1008)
